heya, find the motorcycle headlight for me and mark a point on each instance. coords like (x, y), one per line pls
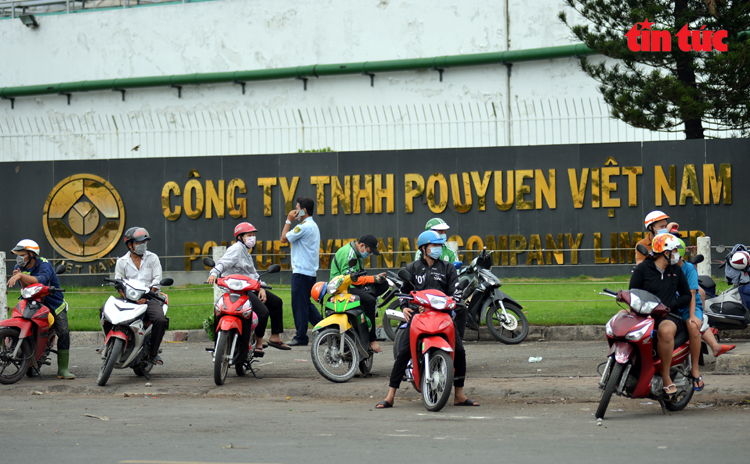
(133, 294)
(438, 302)
(421, 300)
(638, 334)
(217, 309)
(31, 290)
(247, 314)
(608, 329)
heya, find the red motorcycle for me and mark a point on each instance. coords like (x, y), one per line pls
(27, 338)
(633, 367)
(229, 310)
(433, 341)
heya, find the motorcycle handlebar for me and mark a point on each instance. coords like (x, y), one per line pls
(611, 292)
(266, 287)
(156, 297)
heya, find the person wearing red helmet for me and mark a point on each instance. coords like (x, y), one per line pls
(237, 260)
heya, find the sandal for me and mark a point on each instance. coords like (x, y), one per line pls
(383, 405)
(696, 381)
(258, 353)
(725, 349)
(668, 389)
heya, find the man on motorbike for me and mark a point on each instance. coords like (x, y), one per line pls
(430, 272)
(368, 288)
(662, 276)
(237, 260)
(142, 265)
(447, 254)
(656, 223)
(31, 269)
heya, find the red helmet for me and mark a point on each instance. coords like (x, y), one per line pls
(243, 228)
(740, 260)
(318, 292)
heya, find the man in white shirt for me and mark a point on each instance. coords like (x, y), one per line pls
(144, 266)
(305, 242)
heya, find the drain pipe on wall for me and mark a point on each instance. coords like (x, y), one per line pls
(509, 66)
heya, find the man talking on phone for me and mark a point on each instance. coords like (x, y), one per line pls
(305, 242)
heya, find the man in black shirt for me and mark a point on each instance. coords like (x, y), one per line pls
(430, 272)
(662, 276)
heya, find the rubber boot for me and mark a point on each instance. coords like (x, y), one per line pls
(63, 356)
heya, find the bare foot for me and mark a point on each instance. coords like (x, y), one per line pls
(375, 346)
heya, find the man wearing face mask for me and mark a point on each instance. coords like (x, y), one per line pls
(662, 276)
(441, 227)
(656, 223)
(140, 264)
(368, 288)
(31, 269)
(238, 260)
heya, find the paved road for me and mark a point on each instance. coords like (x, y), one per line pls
(178, 429)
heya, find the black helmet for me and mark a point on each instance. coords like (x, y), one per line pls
(136, 234)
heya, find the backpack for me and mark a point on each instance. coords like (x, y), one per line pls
(732, 275)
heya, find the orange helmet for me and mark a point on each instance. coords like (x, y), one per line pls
(318, 292)
(665, 242)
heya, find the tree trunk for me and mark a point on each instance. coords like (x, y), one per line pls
(685, 74)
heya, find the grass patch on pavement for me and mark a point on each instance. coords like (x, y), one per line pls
(573, 301)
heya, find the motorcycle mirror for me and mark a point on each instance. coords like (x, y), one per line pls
(641, 249)
(209, 262)
(721, 248)
(166, 282)
(463, 284)
(273, 268)
(458, 264)
(60, 269)
(404, 275)
(697, 259)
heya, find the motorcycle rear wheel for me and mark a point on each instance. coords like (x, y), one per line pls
(221, 357)
(609, 389)
(8, 342)
(334, 366)
(389, 325)
(511, 331)
(401, 332)
(365, 365)
(114, 352)
(436, 394)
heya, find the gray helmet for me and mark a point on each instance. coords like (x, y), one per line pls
(136, 234)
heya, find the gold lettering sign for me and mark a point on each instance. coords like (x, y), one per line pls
(83, 217)
(414, 187)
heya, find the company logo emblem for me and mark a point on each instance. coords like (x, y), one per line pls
(83, 217)
(645, 39)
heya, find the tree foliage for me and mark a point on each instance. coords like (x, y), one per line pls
(661, 90)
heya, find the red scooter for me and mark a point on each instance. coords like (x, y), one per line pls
(633, 368)
(26, 339)
(229, 310)
(433, 341)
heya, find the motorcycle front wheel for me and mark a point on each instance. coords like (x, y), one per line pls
(609, 389)
(114, 351)
(221, 357)
(329, 360)
(435, 393)
(11, 370)
(512, 328)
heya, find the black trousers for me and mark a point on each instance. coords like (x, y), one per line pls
(155, 314)
(404, 354)
(368, 300)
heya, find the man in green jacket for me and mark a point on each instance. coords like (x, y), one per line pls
(440, 226)
(367, 288)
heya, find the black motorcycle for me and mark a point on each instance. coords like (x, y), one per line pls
(503, 315)
(392, 315)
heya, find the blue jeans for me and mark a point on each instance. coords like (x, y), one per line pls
(303, 309)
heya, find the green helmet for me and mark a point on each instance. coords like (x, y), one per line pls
(436, 224)
(681, 249)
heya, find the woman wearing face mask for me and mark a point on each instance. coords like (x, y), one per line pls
(237, 260)
(662, 276)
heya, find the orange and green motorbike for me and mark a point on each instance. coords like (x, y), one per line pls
(341, 341)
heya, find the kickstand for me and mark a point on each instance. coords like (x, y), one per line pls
(252, 371)
(663, 407)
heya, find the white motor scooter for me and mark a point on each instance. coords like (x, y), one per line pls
(128, 342)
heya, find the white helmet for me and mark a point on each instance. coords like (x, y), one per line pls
(28, 245)
(740, 260)
(655, 216)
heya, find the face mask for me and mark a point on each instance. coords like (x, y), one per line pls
(444, 237)
(250, 241)
(675, 258)
(365, 254)
(140, 248)
(435, 252)
(21, 261)
(661, 231)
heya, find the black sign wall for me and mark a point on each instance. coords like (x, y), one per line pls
(558, 210)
